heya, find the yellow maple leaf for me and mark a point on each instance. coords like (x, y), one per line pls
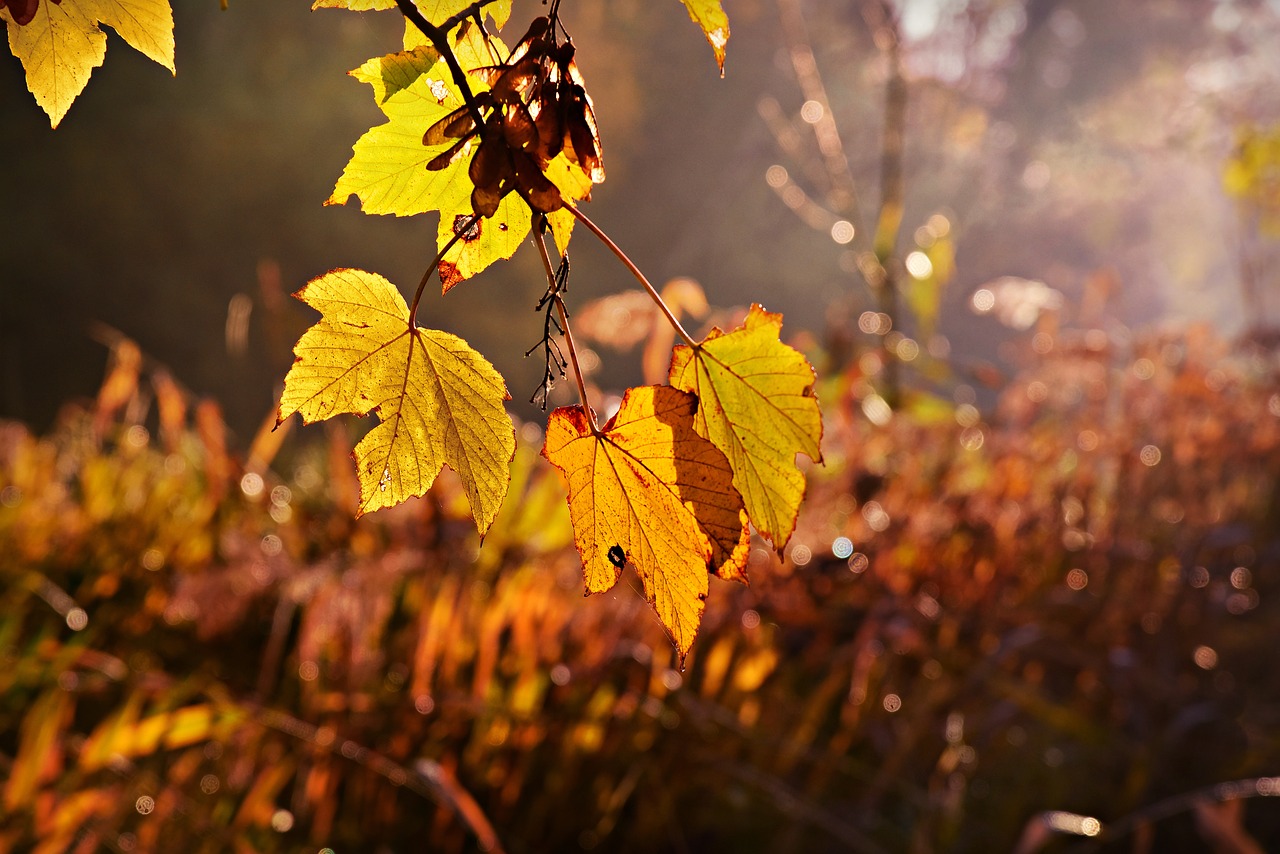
(758, 407)
(396, 72)
(439, 401)
(647, 489)
(483, 240)
(63, 43)
(388, 170)
(435, 11)
(710, 16)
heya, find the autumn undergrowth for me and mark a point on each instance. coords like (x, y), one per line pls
(1063, 604)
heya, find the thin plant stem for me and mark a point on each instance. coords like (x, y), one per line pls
(435, 265)
(843, 195)
(635, 271)
(540, 241)
(892, 189)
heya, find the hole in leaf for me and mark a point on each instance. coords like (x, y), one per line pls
(617, 556)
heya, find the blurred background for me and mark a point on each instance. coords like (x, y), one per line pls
(1032, 600)
(1060, 140)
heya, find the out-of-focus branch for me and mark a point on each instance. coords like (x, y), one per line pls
(843, 196)
(884, 27)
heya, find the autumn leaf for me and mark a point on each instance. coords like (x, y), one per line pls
(388, 171)
(650, 491)
(396, 72)
(439, 402)
(435, 11)
(574, 185)
(63, 43)
(483, 240)
(758, 407)
(355, 5)
(709, 15)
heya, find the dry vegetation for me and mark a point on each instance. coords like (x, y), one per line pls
(1068, 605)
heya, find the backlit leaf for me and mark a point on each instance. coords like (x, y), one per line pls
(396, 71)
(650, 491)
(758, 407)
(486, 240)
(709, 15)
(435, 11)
(39, 745)
(388, 171)
(63, 43)
(573, 184)
(355, 5)
(59, 50)
(439, 401)
(147, 25)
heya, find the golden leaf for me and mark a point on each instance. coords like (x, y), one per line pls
(482, 240)
(710, 16)
(439, 401)
(649, 490)
(758, 407)
(62, 44)
(435, 11)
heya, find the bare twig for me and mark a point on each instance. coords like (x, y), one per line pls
(843, 194)
(554, 289)
(892, 183)
(553, 358)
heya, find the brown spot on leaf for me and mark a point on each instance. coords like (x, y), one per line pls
(468, 227)
(617, 556)
(449, 276)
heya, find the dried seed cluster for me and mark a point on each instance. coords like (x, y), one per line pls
(536, 107)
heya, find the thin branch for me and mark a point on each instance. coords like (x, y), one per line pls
(844, 196)
(552, 355)
(635, 271)
(439, 39)
(1252, 787)
(892, 186)
(539, 240)
(435, 265)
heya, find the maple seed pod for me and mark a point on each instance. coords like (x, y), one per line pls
(581, 138)
(549, 123)
(459, 124)
(491, 170)
(535, 188)
(452, 153)
(518, 127)
(21, 10)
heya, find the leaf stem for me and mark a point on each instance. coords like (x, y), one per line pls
(635, 271)
(539, 230)
(435, 265)
(439, 38)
